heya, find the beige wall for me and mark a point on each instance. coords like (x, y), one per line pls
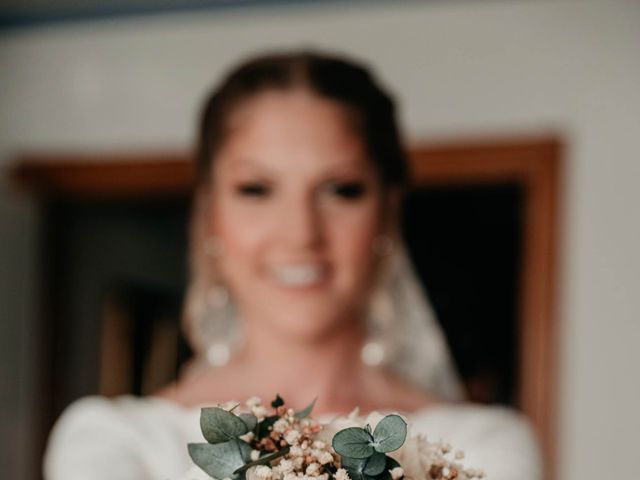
(460, 68)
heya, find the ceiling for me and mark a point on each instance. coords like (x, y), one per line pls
(25, 13)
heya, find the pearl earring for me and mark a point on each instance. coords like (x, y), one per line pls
(372, 353)
(219, 320)
(218, 354)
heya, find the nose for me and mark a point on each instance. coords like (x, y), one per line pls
(302, 224)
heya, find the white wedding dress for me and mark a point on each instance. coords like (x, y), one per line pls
(131, 438)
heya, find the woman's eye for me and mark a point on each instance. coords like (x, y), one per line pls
(253, 190)
(347, 190)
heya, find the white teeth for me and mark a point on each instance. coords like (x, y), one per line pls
(297, 275)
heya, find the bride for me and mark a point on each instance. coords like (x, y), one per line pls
(300, 283)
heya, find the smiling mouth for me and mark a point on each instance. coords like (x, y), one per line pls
(298, 276)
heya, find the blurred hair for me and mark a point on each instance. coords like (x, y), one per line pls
(333, 77)
(329, 76)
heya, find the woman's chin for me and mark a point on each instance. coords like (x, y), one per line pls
(305, 328)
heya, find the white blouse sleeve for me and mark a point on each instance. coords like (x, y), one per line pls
(498, 440)
(508, 447)
(92, 440)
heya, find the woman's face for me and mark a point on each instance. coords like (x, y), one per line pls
(296, 204)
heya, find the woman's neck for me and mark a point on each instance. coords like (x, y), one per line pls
(327, 367)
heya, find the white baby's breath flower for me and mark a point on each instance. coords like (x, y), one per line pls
(250, 474)
(259, 411)
(341, 474)
(292, 437)
(313, 469)
(296, 451)
(263, 472)
(319, 444)
(280, 426)
(416, 456)
(253, 402)
(285, 466)
(325, 457)
(474, 473)
(396, 473)
(298, 462)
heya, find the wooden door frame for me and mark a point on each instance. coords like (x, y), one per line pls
(533, 163)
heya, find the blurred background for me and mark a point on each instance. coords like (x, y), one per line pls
(522, 119)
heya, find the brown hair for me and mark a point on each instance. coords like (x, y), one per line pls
(333, 77)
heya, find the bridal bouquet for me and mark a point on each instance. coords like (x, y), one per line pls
(280, 444)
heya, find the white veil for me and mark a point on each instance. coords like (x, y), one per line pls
(402, 320)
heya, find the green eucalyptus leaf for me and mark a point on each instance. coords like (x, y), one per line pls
(372, 466)
(277, 402)
(389, 434)
(376, 464)
(354, 467)
(244, 448)
(250, 420)
(307, 411)
(353, 442)
(220, 460)
(219, 426)
(264, 460)
(356, 475)
(391, 463)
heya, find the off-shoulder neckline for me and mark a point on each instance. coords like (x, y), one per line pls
(419, 413)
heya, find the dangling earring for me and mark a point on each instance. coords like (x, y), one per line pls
(219, 326)
(218, 322)
(382, 245)
(375, 350)
(373, 353)
(218, 354)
